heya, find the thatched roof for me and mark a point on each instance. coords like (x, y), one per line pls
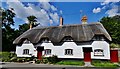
(79, 33)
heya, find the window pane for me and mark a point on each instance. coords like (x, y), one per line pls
(98, 52)
(26, 51)
(68, 51)
(48, 52)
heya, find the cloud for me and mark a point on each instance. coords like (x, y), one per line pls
(96, 10)
(111, 8)
(53, 8)
(113, 11)
(108, 1)
(45, 5)
(55, 17)
(43, 0)
(41, 11)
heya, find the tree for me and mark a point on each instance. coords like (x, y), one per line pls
(8, 34)
(23, 28)
(112, 25)
(7, 17)
(32, 20)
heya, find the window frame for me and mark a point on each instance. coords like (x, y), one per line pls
(25, 51)
(47, 51)
(98, 52)
(68, 51)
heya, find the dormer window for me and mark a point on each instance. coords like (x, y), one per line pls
(26, 42)
(99, 38)
(45, 40)
(67, 38)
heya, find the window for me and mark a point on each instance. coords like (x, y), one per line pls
(48, 52)
(45, 40)
(68, 51)
(99, 38)
(26, 42)
(26, 51)
(98, 52)
(68, 38)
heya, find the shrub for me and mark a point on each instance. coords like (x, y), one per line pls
(7, 56)
(53, 59)
(113, 45)
(38, 62)
(44, 60)
(13, 59)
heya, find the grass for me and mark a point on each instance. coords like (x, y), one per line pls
(96, 63)
(71, 62)
(99, 63)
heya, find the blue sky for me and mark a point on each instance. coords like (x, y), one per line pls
(48, 13)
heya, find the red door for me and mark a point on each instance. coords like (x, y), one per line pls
(39, 55)
(87, 56)
(114, 55)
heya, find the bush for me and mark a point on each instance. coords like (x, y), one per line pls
(53, 59)
(20, 59)
(38, 62)
(13, 59)
(113, 45)
(7, 56)
(44, 60)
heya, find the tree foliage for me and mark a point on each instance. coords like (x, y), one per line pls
(7, 17)
(112, 25)
(32, 21)
(8, 34)
(23, 28)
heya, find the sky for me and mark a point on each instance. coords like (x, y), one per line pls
(48, 12)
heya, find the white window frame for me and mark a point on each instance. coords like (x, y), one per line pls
(68, 51)
(26, 51)
(47, 51)
(98, 52)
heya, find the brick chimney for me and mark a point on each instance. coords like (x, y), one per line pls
(61, 21)
(84, 19)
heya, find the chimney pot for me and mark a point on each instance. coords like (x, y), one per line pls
(84, 19)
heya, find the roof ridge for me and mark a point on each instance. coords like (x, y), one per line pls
(45, 27)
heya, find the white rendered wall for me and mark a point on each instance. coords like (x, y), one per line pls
(77, 49)
(60, 50)
(101, 45)
(19, 50)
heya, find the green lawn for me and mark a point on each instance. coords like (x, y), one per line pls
(96, 63)
(71, 62)
(104, 64)
(99, 63)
